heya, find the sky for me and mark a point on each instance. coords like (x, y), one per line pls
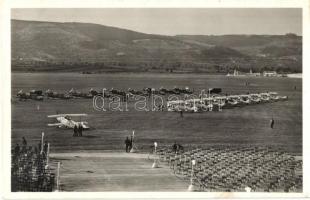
(177, 21)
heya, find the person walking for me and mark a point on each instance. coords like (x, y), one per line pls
(271, 123)
(181, 113)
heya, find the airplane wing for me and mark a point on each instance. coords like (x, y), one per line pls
(56, 124)
(70, 115)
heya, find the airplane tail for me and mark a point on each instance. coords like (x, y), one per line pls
(84, 125)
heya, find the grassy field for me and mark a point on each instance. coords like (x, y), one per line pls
(248, 125)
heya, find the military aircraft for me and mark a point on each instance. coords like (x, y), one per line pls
(169, 91)
(185, 90)
(118, 92)
(54, 95)
(153, 91)
(136, 92)
(64, 120)
(78, 94)
(32, 94)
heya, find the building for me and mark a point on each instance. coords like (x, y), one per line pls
(269, 73)
(253, 74)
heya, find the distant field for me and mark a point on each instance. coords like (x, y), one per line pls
(248, 125)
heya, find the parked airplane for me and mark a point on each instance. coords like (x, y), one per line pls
(32, 94)
(78, 94)
(66, 121)
(51, 94)
(136, 92)
(118, 92)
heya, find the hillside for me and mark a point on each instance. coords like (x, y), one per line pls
(51, 46)
(249, 44)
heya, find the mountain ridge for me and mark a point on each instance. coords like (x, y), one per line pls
(66, 46)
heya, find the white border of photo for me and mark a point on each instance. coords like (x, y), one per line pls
(5, 92)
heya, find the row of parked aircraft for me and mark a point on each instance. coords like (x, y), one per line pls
(39, 94)
(217, 102)
(32, 94)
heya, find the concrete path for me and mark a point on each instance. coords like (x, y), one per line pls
(130, 172)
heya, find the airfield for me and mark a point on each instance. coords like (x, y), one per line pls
(244, 126)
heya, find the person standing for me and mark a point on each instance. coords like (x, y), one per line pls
(174, 147)
(24, 142)
(271, 123)
(24, 148)
(39, 147)
(17, 150)
(127, 143)
(130, 143)
(45, 147)
(75, 131)
(80, 130)
(181, 113)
